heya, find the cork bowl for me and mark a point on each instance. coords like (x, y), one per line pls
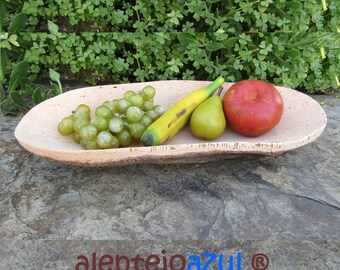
(302, 122)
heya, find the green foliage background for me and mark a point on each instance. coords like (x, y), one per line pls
(108, 41)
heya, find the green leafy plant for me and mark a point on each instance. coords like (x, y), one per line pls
(122, 41)
(18, 92)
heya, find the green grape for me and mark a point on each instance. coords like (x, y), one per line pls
(100, 122)
(115, 102)
(66, 126)
(133, 114)
(91, 145)
(152, 114)
(136, 100)
(116, 124)
(129, 93)
(122, 105)
(104, 139)
(82, 114)
(88, 132)
(148, 92)
(112, 106)
(136, 130)
(103, 111)
(146, 120)
(83, 143)
(158, 109)
(147, 105)
(115, 142)
(107, 129)
(79, 123)
(76, 137)
(83, 107)
(71, 116)
(124, 137)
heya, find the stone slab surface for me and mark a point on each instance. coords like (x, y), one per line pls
(287, 206)
(64, 254)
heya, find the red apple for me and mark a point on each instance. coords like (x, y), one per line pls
(252, 107)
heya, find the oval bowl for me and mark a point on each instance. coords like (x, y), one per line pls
(302, 122)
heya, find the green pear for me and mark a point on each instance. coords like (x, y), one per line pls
(208, 121)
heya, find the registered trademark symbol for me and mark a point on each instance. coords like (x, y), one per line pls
(260, 261)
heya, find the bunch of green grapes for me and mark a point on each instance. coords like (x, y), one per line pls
(115, 123)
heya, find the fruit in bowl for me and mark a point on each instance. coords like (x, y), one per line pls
(208, 122)
(252, 107)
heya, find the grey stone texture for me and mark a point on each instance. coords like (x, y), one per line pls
(286, 206)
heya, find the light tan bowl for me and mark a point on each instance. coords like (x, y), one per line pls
(302, 122)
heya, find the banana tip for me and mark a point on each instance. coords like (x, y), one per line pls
(147, 139)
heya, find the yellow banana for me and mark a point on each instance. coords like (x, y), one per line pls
(171, 122)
